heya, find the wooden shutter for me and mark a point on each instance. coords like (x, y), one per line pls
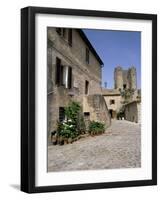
(61, 75)
(86, 87)
(58, 71)
(70, 77)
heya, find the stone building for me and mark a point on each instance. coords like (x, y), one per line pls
(133, 111)
(74, 73)
(125, 79)
(113, 100)
(125, 91)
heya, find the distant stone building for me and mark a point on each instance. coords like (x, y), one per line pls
(123, 95)
(74, 73)
(113, 100)
(125, 79)
(133, 111)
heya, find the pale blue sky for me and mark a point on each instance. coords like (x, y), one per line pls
(116, 48)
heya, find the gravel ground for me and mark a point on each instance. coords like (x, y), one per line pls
(119, 147)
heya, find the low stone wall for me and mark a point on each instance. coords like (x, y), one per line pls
(132, 111)
(96, 106)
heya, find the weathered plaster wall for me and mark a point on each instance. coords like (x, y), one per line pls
(116, 107)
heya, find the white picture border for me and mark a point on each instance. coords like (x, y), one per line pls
(91, 176)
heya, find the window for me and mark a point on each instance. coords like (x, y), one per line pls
(112, 101)
(61, 114)
(124, 86)
(87, 55)
(59, 78)
(63, 75)
(86, 114)
(86, 87)
(70, 37)
(58, 71)
(69, 77)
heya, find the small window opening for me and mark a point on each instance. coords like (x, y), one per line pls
(112, 101)
(61, 114)
(124, 86)
(86, 87)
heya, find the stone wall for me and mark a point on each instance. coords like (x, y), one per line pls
(139, 112)
(96, 106)
(133, 111)
(117, 105)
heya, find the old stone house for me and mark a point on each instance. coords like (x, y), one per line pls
(74, 73)
(113, 100)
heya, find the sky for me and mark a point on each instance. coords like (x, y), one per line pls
(115, 48)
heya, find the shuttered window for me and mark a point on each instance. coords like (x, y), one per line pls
(57, 71)
(63, 74)
(70, 77)
(86, 87)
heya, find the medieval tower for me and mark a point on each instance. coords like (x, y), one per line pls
(125, 79)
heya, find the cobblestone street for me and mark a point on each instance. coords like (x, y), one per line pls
(119, 147)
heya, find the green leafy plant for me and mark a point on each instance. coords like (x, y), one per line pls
(127, 94)
(96, 128)
(72, 111)
(73, 125)
(68, 130)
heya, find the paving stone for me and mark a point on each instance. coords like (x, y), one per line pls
(119, 147)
